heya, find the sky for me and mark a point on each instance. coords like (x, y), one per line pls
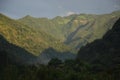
(53, 8)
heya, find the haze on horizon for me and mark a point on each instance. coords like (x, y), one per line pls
(52, 8)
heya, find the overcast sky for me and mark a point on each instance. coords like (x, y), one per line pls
(52, 8)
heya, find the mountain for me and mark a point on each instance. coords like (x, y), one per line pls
(33, 41)
(59, 37)
(75, 30)
(24, 44)
(105, 51)
(87, 28)
(52, 27)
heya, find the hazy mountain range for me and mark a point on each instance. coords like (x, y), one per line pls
(59, 37)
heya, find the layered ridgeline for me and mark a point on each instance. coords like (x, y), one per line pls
(35, 42)
(75, 30)
(104, 51)
(57, 37)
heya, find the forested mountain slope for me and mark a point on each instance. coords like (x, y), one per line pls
(28, 38)
(59, 37)
(75, 30)
(104, 51)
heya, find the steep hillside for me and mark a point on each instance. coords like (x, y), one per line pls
(10, 53)
(52, 27)
(104, 51)
(89, 28)
(28, 38)
(75, 30)
(14, 54)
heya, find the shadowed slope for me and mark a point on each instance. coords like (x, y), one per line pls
(105, 51)
(14, 54)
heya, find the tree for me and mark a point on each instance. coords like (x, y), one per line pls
(54, 62)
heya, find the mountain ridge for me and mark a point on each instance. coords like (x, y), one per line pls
(58, 35)
(92, 27)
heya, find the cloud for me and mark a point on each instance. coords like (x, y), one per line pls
(70, 13)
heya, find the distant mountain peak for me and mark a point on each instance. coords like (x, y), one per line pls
(27, 17)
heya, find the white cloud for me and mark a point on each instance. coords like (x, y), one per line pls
(70, 13)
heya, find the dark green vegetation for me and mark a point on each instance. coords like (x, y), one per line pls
(14, 54)
(57, 70)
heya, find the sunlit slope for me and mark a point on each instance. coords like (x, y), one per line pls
(28, 38)
(75, 30)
